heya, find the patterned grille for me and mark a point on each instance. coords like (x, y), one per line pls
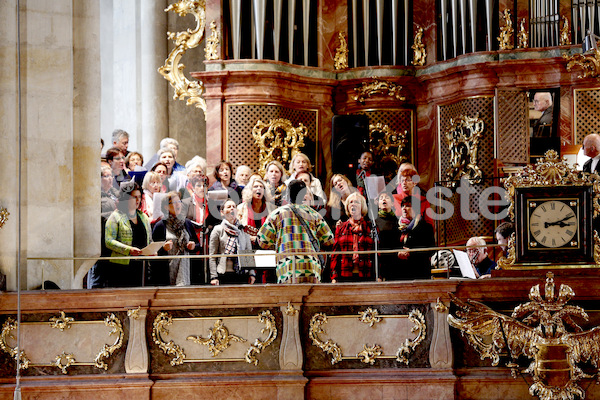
(456, 229)
(513, 126)
(241, 118)
(587, 109)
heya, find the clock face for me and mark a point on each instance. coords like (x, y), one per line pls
(553, 224)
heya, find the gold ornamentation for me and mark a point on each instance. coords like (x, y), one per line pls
(506, 32)
(542, 330)
(3, 216)
(550, 170)
(420, 53)
(268, 319)
(511, 258)
(589, 62)
(369, 316)
(134, 312)
(369, 354)
(463, 138)
(64, 361)
(565, 33)
(8, 326)
(523, 36)
(212, 42)
(62, 322)
(159, 327)
(596, 248)
(277, 140)
(316, 328)
(440, 306)
(218, 339)
(184, 41)
(117, 329)
(377, 87)
(291, 310)
(387, 143)
(409, 345)
(340, 60)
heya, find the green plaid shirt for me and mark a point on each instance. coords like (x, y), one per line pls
(118, 235)
(283, 231)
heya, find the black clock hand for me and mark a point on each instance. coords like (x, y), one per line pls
(559, 223)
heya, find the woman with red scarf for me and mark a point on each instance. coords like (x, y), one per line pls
(353, 235)
(202, 215)
(256, 205)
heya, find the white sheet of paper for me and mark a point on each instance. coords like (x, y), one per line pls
(265, 261)
(374, 184)
(466, 269)
(152, 248)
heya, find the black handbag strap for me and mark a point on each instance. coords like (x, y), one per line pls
(313, 240)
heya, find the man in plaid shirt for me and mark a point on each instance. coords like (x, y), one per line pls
(284, 231)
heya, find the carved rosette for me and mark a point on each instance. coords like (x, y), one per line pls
(369, 316)
(329, 347)
(64, 361)
(184, 41)
(61, 322)
(340, 61)
(589, 62)
(409, 346)
(462, 138)
(107, 350)
(277, 140)
(369, 354)
(377, 87)
(270, 328)
(159, 328)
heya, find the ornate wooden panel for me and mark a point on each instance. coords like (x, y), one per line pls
(241, 118)
(587, 109)
(513, 126)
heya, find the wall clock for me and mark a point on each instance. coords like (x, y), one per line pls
(553, 207)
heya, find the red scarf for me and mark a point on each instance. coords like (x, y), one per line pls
(356, 228)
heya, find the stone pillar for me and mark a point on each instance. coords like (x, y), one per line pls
(153, 44)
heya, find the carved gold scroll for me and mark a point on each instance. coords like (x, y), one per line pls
(462, 138)
(385, 336)
(277, 140)
(62, 342)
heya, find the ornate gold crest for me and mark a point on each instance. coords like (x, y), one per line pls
(506, 32)
(462, 138)
(218, 339)
(277, 140)
(377, 87)
(589, 62)
(340, 60)
(419, 51)
(542, 330)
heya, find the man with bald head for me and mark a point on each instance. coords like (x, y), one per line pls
(591, 148)
(542, 101)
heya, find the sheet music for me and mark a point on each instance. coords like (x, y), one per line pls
(466, 269)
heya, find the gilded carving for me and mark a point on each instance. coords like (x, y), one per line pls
(64, 361)
(184, 41)
(369, 316)
(463, 138)
(565, 33)
(315, 329)
(596, 248)
(107, 350)
(543, 330)
(134, 312)
(511, 257)
(419, 51)
(377, 87)
(212, 43)
(506, 32)
(369, 354)
(291, 310)
(8, 326)
(159, 327)
(409, 345)
(440, 306)
(218, 339)
(3, 216)
(277, 140)
(62, 322)
(385, 142)
(340, 60)
(522, 36)
(589, 62)
(268, 319)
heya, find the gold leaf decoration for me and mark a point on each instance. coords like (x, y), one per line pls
(377, 87)
(419, 51)
(277, 140)
(218, 339)
(409, 345)
(107, 350)
(268, 319)
(462, 138)
(369, 316)
(8, 326)
(506, 32)
(369, 354)
(315, 329)
(159, 328)
(64, 361)
(62, 322)
(340, 61)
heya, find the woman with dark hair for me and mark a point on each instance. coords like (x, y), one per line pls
(178, 230)
(224, 180)
(353, 235)
(132, 160)
(163, 170)
(275, 177)
(127, 232)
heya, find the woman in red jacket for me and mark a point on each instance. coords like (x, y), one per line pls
(353, 235)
